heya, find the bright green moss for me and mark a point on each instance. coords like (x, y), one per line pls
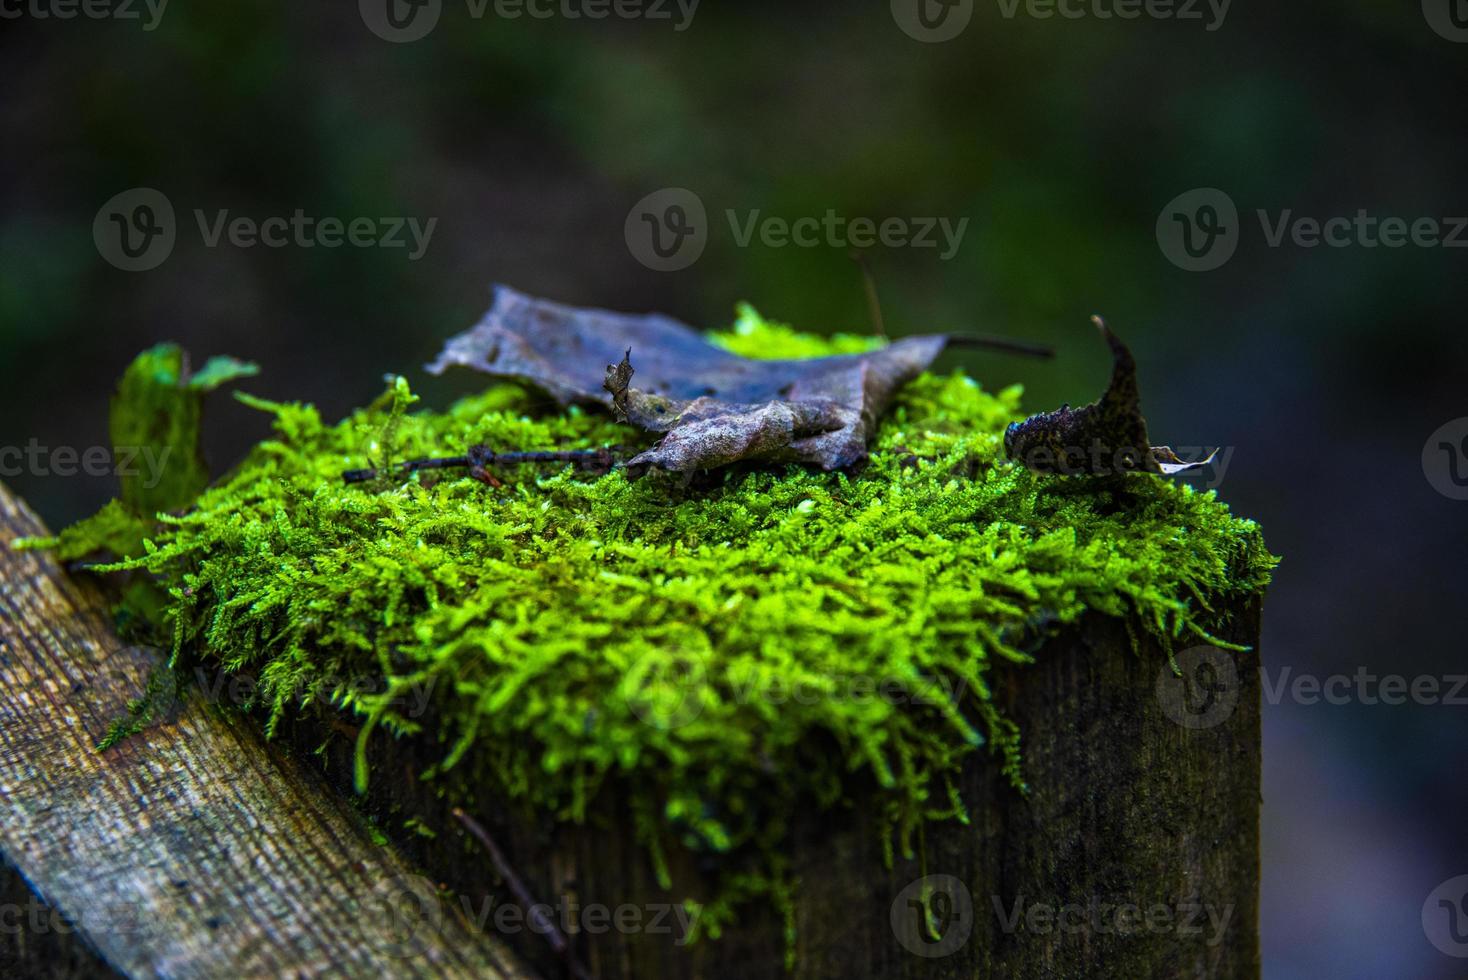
(729, 655)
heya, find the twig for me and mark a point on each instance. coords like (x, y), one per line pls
(879, 327)
(869, 283)
(1001, 343)
(410, 466)
(479, 458)
(553, 935)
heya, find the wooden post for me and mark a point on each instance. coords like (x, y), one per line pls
(1134, 854)
(192, 850)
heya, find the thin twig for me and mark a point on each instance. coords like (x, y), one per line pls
(869, 283)
(1001, 343)
(410, 466)
(557, 939)
(879, 327)
(481, 457)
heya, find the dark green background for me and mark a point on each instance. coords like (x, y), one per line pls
(1061, 141)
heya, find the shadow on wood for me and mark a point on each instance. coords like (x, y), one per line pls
(195, 850)
(191, 850)
(1135, 852)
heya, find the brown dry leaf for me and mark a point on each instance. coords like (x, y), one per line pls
(713, 407)
(1105, 437)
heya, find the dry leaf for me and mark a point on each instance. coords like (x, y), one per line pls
(713, 407)
(1108, 436)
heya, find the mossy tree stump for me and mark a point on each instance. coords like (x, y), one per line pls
(560, 688)
(1135, 852)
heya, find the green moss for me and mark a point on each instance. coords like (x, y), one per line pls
(729, 655)
(156, 411)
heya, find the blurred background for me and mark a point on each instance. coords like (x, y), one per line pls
(1074, 149)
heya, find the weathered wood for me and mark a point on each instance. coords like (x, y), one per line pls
(36, 942)
(231, 859)
(193, 850)
(1128, 809)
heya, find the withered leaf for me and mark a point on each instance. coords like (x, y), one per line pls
(1108, 436)
(712, 407)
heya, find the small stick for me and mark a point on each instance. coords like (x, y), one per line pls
(1001, 344)
(869, 283)
(481, 457)
(879, 327)
(410, 466)
(557, 939)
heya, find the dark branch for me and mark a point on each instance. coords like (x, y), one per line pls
(545, 924)
(480, 457)
(1001, 344)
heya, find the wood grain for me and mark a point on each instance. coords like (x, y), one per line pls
(193, 850)
(1135, 852)
(197, 850)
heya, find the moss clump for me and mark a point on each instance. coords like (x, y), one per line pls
(783, 639)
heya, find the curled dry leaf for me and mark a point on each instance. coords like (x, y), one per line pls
(712, 407)
(1106, 437)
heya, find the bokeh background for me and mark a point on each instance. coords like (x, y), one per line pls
(1326, 370)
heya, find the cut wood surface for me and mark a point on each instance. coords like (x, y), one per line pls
(194, 849)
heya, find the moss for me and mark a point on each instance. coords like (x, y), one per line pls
(156, 410)
(727, 654)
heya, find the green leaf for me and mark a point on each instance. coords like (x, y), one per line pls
(155, 427)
